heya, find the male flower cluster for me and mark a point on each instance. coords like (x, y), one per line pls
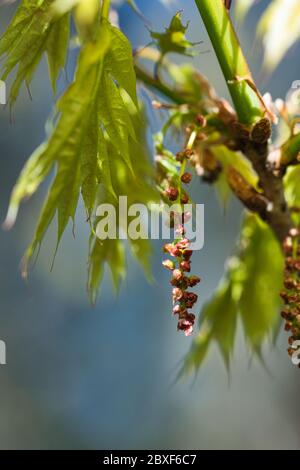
(291, 293)
(180, 253)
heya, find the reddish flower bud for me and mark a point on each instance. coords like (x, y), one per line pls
(184, 198)
(178, 309)
(180, 156)
(188, 153)
(185, 326)
(201, 121)
(183, 244)
(172, 250)
(177, 294)
(187, 254)
(186, 178)
(167, 248)
(171, 193)
(290, 283)
(185, 266)
(168, 264)
(177, 274)
(193, 280)
(190, 317)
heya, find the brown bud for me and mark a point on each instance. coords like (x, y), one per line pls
(193, 281)
(201, 121)
(183, 244)
(261, 131)
(172, 250)
(184, 198)
(171, 193)
(188, 153)
(187, 254)
(185, 266)
(177, 294)
(180, 156)
(290, 283)
(177, 274)
(186, 178)
(178, 309)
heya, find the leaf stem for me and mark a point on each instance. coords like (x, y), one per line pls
(158, 85)
(231, 59)
(105, 9)
(290, 151)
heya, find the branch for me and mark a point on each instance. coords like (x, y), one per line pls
(105, 9)
(245, 96)
(252, 199)
(156, 84)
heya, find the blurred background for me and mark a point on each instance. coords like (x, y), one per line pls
(104, 377)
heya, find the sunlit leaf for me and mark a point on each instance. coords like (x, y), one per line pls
(173, 39)
(94, 141)
(238, 162)
(292, 186)
(57, 47)
(27, 38)
(260, 301)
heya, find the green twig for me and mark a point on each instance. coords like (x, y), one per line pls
(290, 151)
(159, 86)
(105, 9)
(234, 66)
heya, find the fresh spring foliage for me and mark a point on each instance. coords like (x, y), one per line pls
(98, 128)
(97, 150)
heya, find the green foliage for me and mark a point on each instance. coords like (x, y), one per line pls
(138, 188)
(57, 47)
(97, 148)
(32, 32)
(173, 39)
(292, 187)
(98, 136)
(249, 291)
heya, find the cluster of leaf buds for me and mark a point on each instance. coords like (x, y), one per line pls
(180, 253)
(291, 293)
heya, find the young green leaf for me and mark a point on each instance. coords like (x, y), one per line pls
(57, 47)
(174, 39)
(107, 251)
(260, 302)
(32, 33)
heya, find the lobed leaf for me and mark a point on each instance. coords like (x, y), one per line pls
(173, 39)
